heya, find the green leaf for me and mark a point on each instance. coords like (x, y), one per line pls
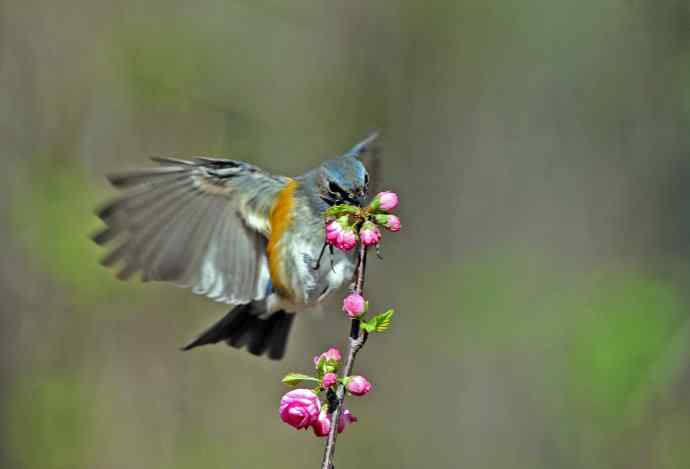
(340, 210)
(293, 379)
(379, 323)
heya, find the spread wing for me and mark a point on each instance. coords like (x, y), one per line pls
(201, 224)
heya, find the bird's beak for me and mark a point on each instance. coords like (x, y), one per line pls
(358, 200)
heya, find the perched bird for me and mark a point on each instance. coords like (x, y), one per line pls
(238, 235)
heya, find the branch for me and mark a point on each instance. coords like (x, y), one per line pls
(356, 341)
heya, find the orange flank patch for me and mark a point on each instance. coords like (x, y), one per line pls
(281, 219)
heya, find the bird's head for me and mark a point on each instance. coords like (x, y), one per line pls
(344, 180)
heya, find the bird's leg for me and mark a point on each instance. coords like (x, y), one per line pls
(318, 261)
(378, 251)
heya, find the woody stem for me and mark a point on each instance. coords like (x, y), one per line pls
(356, 341)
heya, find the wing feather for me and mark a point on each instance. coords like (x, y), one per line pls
(201, 224)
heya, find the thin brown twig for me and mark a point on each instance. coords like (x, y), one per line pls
(357, 339)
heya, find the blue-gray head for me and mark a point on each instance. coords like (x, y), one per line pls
(344, 180)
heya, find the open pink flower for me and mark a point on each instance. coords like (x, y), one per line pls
(358, 385)
(369, 234)
(354, 305)
(322, 425)
(299, 408)
(329, 379)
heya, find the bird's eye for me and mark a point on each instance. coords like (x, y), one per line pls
(334, 188)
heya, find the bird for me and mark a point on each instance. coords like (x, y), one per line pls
(238, 235)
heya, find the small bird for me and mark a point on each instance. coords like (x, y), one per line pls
(238, 235)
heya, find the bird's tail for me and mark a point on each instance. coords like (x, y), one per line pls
(243, 326)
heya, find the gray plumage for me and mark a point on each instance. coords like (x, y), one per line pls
(205, 223)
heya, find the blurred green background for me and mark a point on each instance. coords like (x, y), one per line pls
(542, 153)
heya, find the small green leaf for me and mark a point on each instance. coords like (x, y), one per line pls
(293, 379)
(381, 322)
(367, 326)
(340, 210)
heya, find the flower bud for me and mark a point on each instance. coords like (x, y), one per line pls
(358, 385)
(329, 379)
(299, 408)
(322, 425)
(369, 234)
(333, 229)
(329, 361)
(341, 234)
(345, 419)
(354, 305)
(347, 239)
(385, 201)
(389, 222)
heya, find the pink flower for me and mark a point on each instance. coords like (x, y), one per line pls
(354, 305)
(345, 418)
(369, 234)
(332, 355)
(299, 408)
(389, 222)
(322, 425)
(346, 240)
(387, 200)
(358, 385)
(329, 379)
(340, 234)
(333, 230)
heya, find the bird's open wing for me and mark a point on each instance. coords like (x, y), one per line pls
(200, 224)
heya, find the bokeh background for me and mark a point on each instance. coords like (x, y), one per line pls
(542, 153)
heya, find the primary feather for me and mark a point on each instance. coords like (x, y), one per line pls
(200, 224)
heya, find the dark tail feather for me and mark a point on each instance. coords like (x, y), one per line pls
(240, 327)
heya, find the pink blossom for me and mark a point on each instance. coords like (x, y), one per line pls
(322, 425)
(358, 385)
(332, 354)
(299, 408)
(341, 234)
(393, 223)
(329, 379)
(333, 230)
(387, 200)
(389, 222)
(354, 305)
(345, 418)
(370, 234)
(346, 240)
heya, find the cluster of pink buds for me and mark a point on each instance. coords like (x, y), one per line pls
(346, 224)
(340, 234)
(302, 408)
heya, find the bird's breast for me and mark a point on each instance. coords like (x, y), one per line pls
(281, 219)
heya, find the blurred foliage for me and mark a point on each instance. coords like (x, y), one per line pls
(49, 421)
(53, 216)
(540, 150)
